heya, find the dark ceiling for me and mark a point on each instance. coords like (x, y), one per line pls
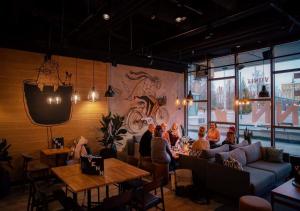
(144, 32)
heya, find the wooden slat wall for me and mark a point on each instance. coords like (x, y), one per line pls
(16, 127)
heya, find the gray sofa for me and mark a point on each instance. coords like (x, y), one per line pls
(257, 177)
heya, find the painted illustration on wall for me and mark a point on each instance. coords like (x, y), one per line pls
(47, 98)
(144, 97)
(149, 107)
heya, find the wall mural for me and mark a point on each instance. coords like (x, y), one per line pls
(47, 98)
(144, 96)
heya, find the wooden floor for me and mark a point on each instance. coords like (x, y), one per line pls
(17, 201)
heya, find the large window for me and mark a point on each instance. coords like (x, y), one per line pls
(268, 79)
(197, 112)
(287, 97)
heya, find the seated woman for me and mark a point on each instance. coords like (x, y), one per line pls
(213, 134)
(201, 143)
(173, 134)
(230, 136)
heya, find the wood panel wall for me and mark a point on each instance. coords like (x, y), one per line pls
(15, 125)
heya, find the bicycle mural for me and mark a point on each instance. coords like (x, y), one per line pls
(144, 96)
(148, 107)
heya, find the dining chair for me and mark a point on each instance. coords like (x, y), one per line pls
(143, 199)
(34, 167)
(115, 203)
(40, 194)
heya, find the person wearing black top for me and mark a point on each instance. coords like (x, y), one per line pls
(145, 143)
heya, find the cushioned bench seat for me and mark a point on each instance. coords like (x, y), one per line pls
(260, 180)
(281, 170)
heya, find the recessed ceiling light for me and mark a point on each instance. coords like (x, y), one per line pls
(180, 19)
(153, 17)
(106, 16)
(238, 46)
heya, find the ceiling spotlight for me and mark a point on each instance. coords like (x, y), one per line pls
(153, 17)
(106, 16)
(238, 46)
(180, 19)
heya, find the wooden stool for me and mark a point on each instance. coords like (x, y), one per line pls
(254, 203)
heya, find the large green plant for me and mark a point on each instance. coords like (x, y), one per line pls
(112, 129)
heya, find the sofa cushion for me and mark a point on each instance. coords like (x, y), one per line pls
(210, 153)
(261, 181)
(274, 155)
(253, 152)
(281, 170)
(236, 154)
(242, 144)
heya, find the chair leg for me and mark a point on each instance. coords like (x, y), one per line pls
(29, 201)
(107, 191)
(98, 190)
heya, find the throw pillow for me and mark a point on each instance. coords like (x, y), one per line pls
(237, 154)
(195, 153)
(264, 155)
(274, 155)
(242, 144)
(252, 151)
(233, 163)
(211, 153)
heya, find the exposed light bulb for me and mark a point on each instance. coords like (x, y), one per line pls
(93, 95)
(58, 100)
(184, 102)
(106, 16)
(54, 100)
(49, 100)
(177, 102)
(75, 97)
(190, 103)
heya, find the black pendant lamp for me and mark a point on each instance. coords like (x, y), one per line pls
(109, 92)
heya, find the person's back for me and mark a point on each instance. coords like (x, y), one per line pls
(145, 143)
(200, 144)
(159, 151)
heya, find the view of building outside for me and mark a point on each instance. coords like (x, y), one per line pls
(254, 73)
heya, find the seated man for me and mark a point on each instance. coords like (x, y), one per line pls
(145, 143)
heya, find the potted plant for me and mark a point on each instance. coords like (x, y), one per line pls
(113, 132)
(5, 165)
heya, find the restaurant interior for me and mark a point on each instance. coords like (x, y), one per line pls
(150, 104)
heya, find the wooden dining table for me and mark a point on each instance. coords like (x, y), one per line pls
(115, 171)
(55, 152)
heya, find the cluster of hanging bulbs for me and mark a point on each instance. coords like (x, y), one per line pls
(93, 95)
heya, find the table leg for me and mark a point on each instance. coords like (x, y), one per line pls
(75, 197)
(89, 199)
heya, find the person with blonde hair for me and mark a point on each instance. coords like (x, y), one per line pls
(173, 134)
(165, 134)
(213, 134)
(201, 143)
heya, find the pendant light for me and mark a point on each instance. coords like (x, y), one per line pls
(189, 97)
(263, 92)
(75, 96)
(109, 92)
(177, 101)
(93, 94)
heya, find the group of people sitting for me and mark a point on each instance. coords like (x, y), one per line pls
(156, 142)
(212, 138)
